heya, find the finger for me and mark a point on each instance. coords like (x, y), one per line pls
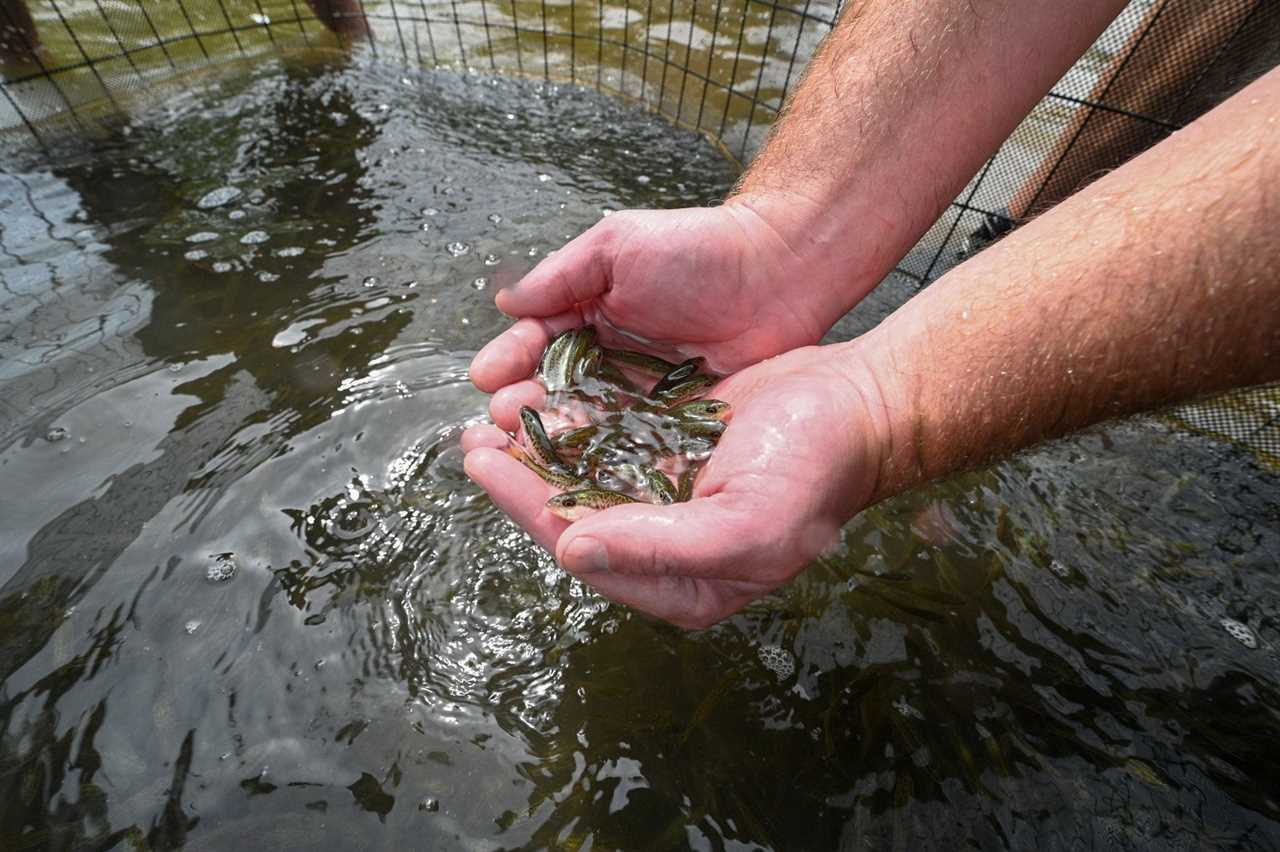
(577, 273)
(514, 354)
(484, 435)
(710, 537)
(517, 491)
(504, 408)
(683, 601)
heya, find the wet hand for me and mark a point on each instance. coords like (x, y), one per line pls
(719, 282)
(800, 456)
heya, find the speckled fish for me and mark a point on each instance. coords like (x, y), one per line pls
(557, 479)
(659, 486)
(575, 505)
(701, 409)
(539, 446)
(684, 486)
(655, 366)
(695, 428)
(683, 390)
(676, 375)
(575, 439)
(582, 345)
(552, 369)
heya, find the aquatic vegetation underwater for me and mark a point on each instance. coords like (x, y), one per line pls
(247, 591)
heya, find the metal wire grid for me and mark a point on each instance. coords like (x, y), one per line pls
(723, 67)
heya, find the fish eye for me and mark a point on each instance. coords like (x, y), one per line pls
(569, 503)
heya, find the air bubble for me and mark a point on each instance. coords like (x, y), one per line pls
(267, 277)
(428, 211)
(490, 259)
(1058, 568)
(642, 179)
(222, 568)
(1241, 632)
(429, 805)
(196, 254)
(191, 627)
(289, 251)
(544, 177)
(480, 283)
(57, 433)
(495, 218)
(457, 249)
(218, 197)
(370, 281)
(236, 214)
(777, 660)
(253, 238)
(202, 237)
(222, 266)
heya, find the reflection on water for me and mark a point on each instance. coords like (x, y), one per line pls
(248, 593)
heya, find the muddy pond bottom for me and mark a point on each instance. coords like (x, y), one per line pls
(247, 594)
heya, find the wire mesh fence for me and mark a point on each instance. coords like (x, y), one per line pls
(722, 67)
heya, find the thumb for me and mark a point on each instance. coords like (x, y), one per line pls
(716, 537)
(577, 273)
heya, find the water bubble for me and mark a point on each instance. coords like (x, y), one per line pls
(777, 660)
(1058, 568)
(222, 568)
(57, 433)
(218, 197)
(289, 251)
(544, 177)
(370, 281)
(533, 251)
(642, 179)
(202, 237)
(495, 218)
(191, 627)
(428, 211)
(222, 266)
(253, 238)
(411, 284)
(457, 249)
(511, 116)
(319, 665)
(174, 368)
(429, 805)
(425, 226)
(480, 283)
(1242, 633)
(196, 254)
(490, 259)
(267, 277)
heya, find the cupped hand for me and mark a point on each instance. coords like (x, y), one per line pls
(801, 455)
(720, 282)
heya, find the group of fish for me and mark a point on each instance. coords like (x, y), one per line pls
(625, 442)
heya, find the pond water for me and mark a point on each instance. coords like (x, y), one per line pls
(247, 594)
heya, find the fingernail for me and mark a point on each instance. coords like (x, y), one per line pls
(586, 556)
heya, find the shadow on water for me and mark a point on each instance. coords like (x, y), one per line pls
(260, 599)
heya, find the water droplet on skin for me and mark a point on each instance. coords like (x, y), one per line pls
(457, 249)
(218, 197)
(222, 568)
(490, 259)
(253, 238)
(495, 218)
(191, 627)
(196, 254)
(202, 237)
(480, 283)
(57, 433)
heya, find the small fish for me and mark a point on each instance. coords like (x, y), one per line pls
(702, 428)
(575, 505)
(655, 366)
(540, 448)
(702, 409)
(564, 481)
(582, 345)
(659, 486)
(683, 390)
(684, 486)
(682, 371)
(575, 439)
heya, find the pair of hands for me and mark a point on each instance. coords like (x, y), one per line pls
(802, 451)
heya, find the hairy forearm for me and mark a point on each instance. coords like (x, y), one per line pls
(1156, 284)
(900, 107)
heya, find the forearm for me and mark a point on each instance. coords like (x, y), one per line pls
(1156, 284)
(901, 106)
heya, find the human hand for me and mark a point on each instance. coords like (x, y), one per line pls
(801, 454)
(720, 282)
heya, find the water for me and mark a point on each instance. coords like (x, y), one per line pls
(248, 595)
